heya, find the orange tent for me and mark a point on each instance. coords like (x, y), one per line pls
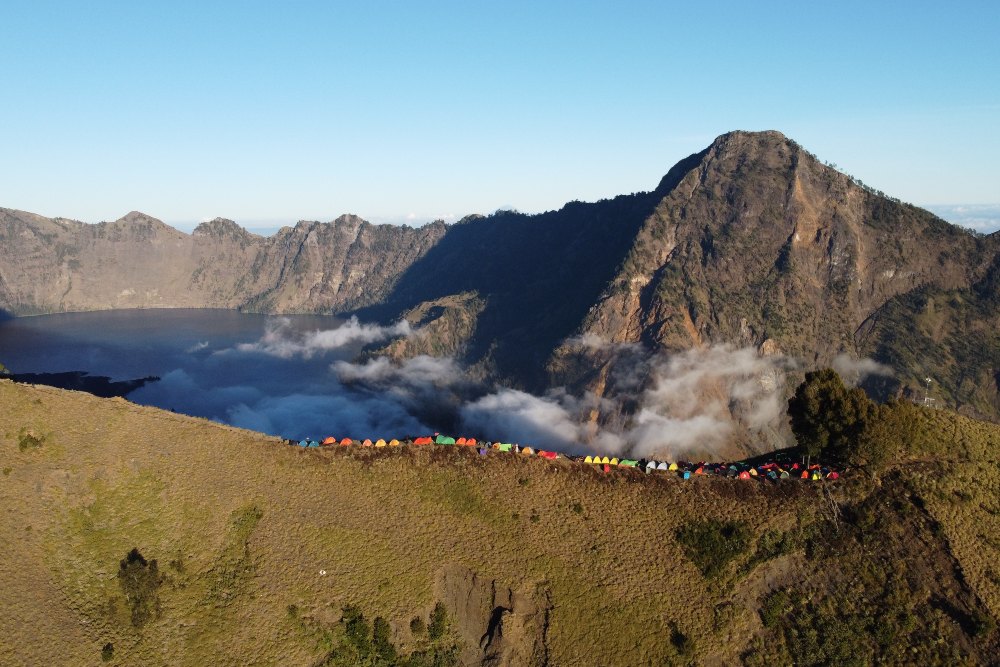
(426, 440)
(329, 440)
(460, 441)
(366, 443)
(346, 441)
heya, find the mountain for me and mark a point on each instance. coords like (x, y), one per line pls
(136, 536)
(57, 265)
(751, 242)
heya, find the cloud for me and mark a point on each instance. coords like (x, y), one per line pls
(854, 371)
(984, 218)
(521, 417)
(280, 339)
(197, 347)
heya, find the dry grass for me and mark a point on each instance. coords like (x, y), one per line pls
(241, 526)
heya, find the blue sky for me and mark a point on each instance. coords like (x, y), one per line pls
(271, 112)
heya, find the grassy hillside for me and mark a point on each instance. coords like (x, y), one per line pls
(260, 547)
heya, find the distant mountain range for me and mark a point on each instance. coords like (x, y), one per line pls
(751, 242)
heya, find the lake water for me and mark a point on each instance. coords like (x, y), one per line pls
(271, 374)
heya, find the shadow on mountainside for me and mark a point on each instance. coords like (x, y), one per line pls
(538, 274)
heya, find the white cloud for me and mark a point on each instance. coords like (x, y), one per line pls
(281, 340)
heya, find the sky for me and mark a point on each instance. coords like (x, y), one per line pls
(268, 113)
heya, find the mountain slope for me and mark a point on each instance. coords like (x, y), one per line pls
(260, 549)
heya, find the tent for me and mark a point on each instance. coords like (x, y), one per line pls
(460, 441)
(686, 474)
(505, 446)
(471, 442)
(651, 465)
(367, 443)
(784, 474)
(394, 443)
(805, 474)
(662, 465)
(444, 440)
(527, 451)
(548, 455)
(589, 459)
(744, 475)
(833, 475)
(752, 472)
(628, 463)
(482, 451)
(329, 440)
(816, 476)
(380, 443)
(308, 442)
(673, 466)
(346, 441)
(605, 460)
(614, 461)
(423, 441)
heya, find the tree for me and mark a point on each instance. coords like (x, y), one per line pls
(828, 418)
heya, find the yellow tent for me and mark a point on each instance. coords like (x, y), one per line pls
(753, 472)
(394, 443)
(380, 443)
(527, 451)
(605, 460)
(614, 461)
(589, 459)
(672, 466)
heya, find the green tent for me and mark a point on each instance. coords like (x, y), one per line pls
(444, 440)
(628, 463)
(506, 446)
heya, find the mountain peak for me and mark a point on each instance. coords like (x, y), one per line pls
(220, 227)
(138, 216)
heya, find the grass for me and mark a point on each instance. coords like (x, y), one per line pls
(244, 528)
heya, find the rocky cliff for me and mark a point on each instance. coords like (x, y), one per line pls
(57, 265)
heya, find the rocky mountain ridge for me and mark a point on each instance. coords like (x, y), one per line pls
(751, 242)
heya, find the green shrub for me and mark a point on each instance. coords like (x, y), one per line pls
(140, 582)
(29, 439)
(107, 652)
(712, 544)
(439, 622)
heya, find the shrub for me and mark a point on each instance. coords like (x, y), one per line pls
(140, 582)
(107, 652)
(712, 544)
(28, 439)
(439, 622)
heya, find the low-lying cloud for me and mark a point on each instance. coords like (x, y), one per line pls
(284, 341)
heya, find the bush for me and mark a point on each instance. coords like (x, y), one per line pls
(140, 582)
(28, 439)
(439, 622)
(712, 544)
(107, 652)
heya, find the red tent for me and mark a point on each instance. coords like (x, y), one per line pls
(547, 455)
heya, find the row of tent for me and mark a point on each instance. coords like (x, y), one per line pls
(771, 470)
(483, 447)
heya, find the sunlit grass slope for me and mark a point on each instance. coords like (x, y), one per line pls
(259, 546)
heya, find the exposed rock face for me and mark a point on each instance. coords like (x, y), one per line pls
(752, 242)
(54, 265)
(500, 626)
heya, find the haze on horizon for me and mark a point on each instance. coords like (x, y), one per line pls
(269, 114)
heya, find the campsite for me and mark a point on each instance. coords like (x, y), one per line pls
(780, 468)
